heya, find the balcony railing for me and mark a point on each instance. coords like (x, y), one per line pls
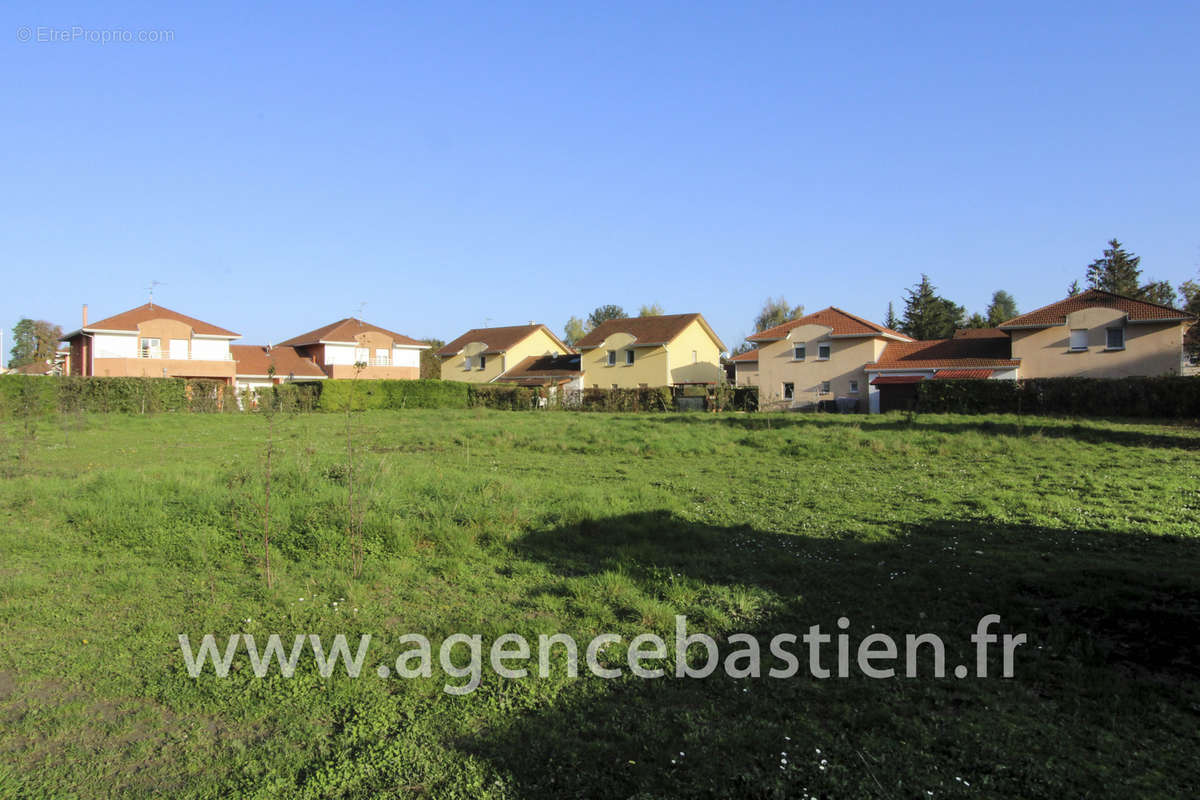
(161, 356)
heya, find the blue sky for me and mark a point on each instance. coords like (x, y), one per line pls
(456, 163)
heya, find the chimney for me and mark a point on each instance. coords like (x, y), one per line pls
(84, 316)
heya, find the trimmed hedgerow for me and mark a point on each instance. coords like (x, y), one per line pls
(336, 395)
(656, 399)
(504, 397)
(1168, 396)
(22, 395)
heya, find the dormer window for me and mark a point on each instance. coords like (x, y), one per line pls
(799, 352)
(629, 358)
(612, 358)
(823, 351)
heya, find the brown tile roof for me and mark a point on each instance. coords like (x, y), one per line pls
(981, 333)
(962, 374)
(346, 330)
(843, 323)
(543, 370)
(748, 356)
(647, 331)
(255, 359)
(129, 321)
(960, 353)
(1135, 310)
(497, 340)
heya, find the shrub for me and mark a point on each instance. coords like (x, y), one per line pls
(656, 399)
(21, 394)
(336, 395)
(1169, 396)
(504, 397)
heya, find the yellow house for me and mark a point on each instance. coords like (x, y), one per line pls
(820, 356)
(1098, 334)
(669, 350)
(482, 355)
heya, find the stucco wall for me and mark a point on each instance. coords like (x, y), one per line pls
(776, 366)
(1150, 348)
(538, 343)
(691, 357)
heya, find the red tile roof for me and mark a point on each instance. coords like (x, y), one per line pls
(1135, 310)
(498, 340)
(981, 333)
(256, 360)
(646, 331)
(962, 374)
(884, 380)
(129, 321)
(843, 323)
(346, 331)
(541, 370)
(749, 355)
(951, 353)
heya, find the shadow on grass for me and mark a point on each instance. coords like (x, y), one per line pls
(1094, 431)
(1104, 696)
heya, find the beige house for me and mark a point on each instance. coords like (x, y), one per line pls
(339, 346)
(818, 357)
(483, 355)
(1097, 334)
(972, 354)
(260, 367)
(667, 350)
(151, 342)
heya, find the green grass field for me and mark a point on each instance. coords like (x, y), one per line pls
(119, 533)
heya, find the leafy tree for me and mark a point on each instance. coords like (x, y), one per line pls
(604, 314)
(652, 310)
(927, 315)
(744, 347)
(1073, 289)
(891, 320)
(1160, 292)
(431, 365)
(1002, 308)
(977, 321)
(573, 331)
(776, 311)
(34, 341)
(1190, 290)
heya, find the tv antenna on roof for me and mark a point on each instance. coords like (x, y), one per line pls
(150, 289)
(361, 306)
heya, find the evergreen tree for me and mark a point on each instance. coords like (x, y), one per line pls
(977, 321)
(604, 314)
(34, 341)
(1002, 308)
(1073, 289)
(1116, 271)
(1159, 292)
(652, 310)
(890, 321)
(928, 315)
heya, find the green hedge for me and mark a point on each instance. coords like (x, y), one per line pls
(656, 399)
(504, 397)
(367, 394)
(21, 395)
(1171, 396)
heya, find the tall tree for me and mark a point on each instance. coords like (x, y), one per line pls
(573, 331)
(604, 314)
(1073, 289)
(34, 341)
(652, 310)
(1116, 271)
(928, 315)
(776, 311)
(1002, 308)
(891, 320)
(977, 320)
(1160, 292)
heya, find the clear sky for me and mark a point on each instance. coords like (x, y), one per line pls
(451, 164)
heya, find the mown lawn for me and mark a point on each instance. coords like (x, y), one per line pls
(119, 533)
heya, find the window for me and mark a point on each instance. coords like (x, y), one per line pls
(151, 348)
(1114, 339)
(382, 358)
(789, 389)
(628, 358)
(823, 351)
(467, 362)
(798, 352)
(362, 355)
(612, 358)
(482, 361)
(1079, 339)
(695, 357)
(825, 387)
(853, 387)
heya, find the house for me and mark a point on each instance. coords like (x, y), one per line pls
(1097, 334)
(668, 350)
(981, 354)
(151, 342)
(337, 347)
(745, 368)
(817, 357)
(552, 372)
(482, 355)
(259, 367)
(60, 364)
